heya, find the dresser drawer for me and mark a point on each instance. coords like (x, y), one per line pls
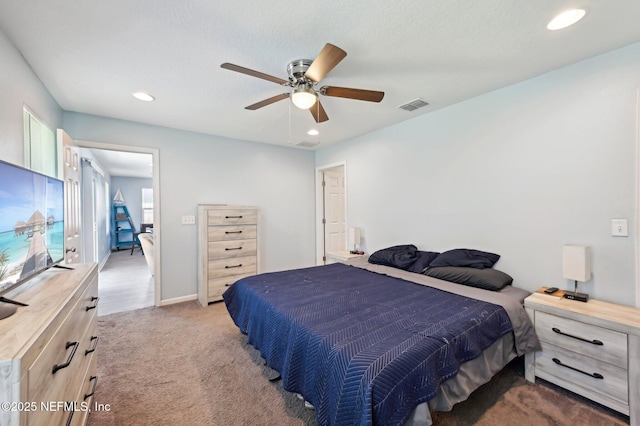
(65, 382)
(225, 233)
(232, 217)
(42, 381)
(235, 248)
(232, 266)
(217, 286)
(613, 383)
(583, 338)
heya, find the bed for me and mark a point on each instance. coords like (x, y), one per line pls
(372, 344)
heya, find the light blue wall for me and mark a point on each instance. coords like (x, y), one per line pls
(197, 168)
(19, 86)
(520, 172)
(131, 189)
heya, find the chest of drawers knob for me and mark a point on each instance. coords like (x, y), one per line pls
(94, 299)
(58, 367)
(93, 379)
(94, 339)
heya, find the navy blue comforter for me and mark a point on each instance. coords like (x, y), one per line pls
(362, 347)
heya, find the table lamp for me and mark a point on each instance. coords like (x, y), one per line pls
(576, 266)
(354, 237)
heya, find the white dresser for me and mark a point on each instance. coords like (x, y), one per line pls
(227, 248)
(592, 349)
(48, 349)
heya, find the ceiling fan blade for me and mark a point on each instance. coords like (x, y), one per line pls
(358, 94)
(318, 112)
(267, 101)
(243, 70)
(327, 59)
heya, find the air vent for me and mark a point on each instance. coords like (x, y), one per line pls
(307, 144)
(413, 105)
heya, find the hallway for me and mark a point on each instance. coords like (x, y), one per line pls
(125, 283)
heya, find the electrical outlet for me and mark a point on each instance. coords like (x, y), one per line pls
(188, 220)
(619, 228)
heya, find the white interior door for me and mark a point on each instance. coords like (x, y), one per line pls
(334, 208)
(69, 164)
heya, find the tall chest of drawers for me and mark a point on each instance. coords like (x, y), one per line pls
(592, 349)
(48, 349)
(227, 248)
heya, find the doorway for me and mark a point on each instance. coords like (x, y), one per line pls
(129, 259)
(331, 211)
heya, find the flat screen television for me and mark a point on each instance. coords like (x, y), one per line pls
(31, 226)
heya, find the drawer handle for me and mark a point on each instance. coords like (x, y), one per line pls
(233, 248)
(68, 423)
(233, 266)
(593, 342)
(95, 344)
(93, 388)
(75, 345)
(95, 299)
(233, 217)
(594, 375)
(233, 232)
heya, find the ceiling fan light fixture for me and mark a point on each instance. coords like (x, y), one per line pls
(566, 19)
(304, 97)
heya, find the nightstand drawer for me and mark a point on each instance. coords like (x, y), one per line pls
(561, 367)
(590, 340)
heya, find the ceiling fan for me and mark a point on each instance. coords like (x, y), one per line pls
(304, 76)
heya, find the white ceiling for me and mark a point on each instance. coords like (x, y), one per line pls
(92, 55)
(125, 164)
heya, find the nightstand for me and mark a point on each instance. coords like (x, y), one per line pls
(340, 256)
(592, 349)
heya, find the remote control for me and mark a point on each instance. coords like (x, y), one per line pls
(551, 290)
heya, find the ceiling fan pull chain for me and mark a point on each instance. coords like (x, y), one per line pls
(289, 122)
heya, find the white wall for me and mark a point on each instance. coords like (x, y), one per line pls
(197, 168)
(519, 172)
(19, 86)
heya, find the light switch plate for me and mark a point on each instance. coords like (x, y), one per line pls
(188, 220)
(619, 228)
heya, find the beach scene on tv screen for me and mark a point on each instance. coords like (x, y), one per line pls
(31, 224)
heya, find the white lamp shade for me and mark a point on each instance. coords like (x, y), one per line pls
(304, 98)
(576, 262)
(354, 236)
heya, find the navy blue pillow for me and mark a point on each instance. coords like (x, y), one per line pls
(423, 261)
(487, 278)
(466, 258)
(401, 256)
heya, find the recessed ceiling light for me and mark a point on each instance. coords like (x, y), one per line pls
(313, 132)
(566, 19)
(143, 96)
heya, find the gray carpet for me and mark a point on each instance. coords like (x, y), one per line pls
(187, 365)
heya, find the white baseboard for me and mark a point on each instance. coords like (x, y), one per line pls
(178, 300)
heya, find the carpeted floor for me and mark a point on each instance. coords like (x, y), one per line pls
(187, 365)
